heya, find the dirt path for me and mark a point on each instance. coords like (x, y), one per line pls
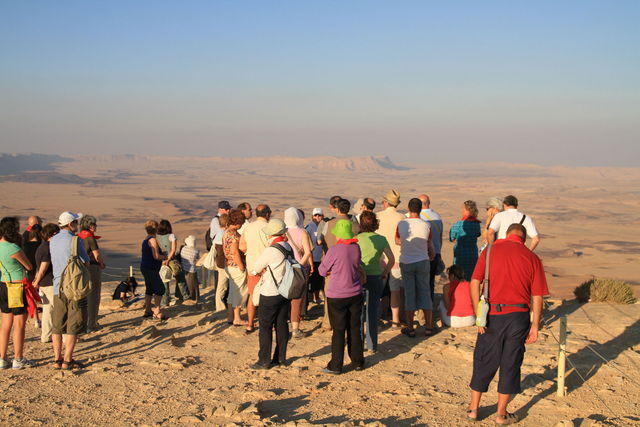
(195, 368)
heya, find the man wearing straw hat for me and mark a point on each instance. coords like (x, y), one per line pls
(389, 219)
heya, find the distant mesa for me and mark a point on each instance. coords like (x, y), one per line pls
(331, 163)
(322, 163)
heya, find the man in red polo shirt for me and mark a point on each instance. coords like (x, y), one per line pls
(516, 278)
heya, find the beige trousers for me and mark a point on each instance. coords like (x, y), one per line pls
(47, 310)
(222, 284)
(93, 299)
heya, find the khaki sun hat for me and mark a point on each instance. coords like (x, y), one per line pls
(275, 227)
(392, 197)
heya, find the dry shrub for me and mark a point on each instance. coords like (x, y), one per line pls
(605, 290)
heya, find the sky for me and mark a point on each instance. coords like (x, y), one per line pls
(542, 82)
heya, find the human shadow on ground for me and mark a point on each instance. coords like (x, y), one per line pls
(285, 409)
(586, 361)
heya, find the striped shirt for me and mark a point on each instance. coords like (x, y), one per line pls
(189, 258)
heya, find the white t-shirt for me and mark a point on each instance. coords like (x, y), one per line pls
(273, 258)
(414, 240)
(503, 220)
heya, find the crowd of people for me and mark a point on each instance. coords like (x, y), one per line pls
(368, 269)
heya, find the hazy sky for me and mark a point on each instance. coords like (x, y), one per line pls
(541, 82)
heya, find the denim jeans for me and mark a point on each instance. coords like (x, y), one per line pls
(371, 312)
(415, 277)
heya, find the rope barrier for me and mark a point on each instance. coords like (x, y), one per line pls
(608, 333)
(584, 381)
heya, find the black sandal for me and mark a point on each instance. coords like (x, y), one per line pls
(57, 364)
(508, 419)
(410, 332)
(147, 314)
(71, 364)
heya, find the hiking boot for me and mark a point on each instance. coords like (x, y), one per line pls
(22, 363)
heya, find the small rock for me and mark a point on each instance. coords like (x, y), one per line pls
(189, 419)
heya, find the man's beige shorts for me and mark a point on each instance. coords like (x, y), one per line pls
(68, 317)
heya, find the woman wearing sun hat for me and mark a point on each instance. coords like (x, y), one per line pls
(274, 308)
(344, 297)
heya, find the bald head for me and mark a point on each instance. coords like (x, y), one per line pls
(33, 220)
(263, 211)
(426, 202)
(518, 230)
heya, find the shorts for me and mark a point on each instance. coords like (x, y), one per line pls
(152, 281)
(415, 276)
(395, 280)
(252, 281)
(68, 317)
(4, 302)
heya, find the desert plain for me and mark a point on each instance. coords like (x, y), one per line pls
(194, 368)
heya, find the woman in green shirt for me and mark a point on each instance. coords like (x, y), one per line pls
(373, 246)
(13, 268)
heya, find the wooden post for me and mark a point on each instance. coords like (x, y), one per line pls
(562, 356)
(131, 271)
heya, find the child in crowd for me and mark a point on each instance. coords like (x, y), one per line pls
(456, 308)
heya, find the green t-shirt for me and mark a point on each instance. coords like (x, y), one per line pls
(11, 269)
(372, 245)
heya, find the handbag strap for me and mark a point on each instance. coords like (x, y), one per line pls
(295, 247)
(6, 271)
(523, 218)
(275, 282)
(485, 282)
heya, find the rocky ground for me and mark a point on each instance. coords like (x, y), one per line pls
(195, 368)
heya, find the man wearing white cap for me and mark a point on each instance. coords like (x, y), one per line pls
(316, 281)
(68, 317)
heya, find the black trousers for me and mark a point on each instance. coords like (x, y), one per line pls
(501, 346)
(345, 316)
(432, 278)
(273, 312)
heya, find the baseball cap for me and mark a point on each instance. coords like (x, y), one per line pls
(67, 218)
(224, 205)
(318, 211)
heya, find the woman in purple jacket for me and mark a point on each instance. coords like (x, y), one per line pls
(341, 265)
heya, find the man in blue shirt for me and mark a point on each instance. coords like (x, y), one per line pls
(68, 317)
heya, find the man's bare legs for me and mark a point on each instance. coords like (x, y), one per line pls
(503, 401)
(396, 304)
(251, 313)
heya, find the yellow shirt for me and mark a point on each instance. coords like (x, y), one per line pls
(256, 241)
(389, 219)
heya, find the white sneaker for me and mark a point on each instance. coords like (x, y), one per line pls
(22, 363)
(4, 364)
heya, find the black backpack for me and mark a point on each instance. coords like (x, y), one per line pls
(207, 239)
